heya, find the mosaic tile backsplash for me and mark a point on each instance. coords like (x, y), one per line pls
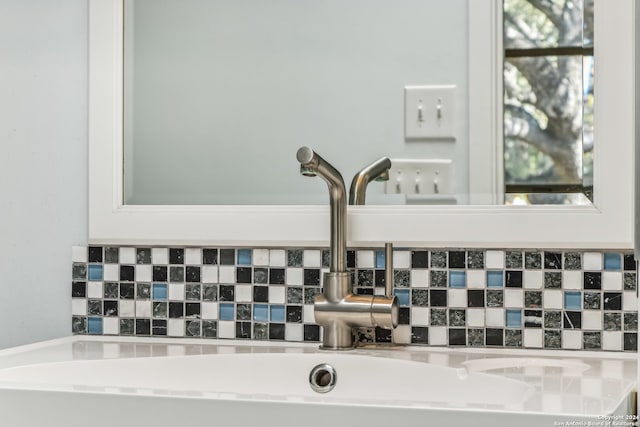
(480, 298)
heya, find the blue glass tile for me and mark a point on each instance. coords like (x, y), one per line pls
(94, 325)
(277, 313)
(244, 256)
(514, 318)
(227, 312)
(95, 272)
(612, 261)
(403, 297)
(380, 259)
(457, 279)
(495, 279)
(159, 291)
(261, 312)
(573, 300)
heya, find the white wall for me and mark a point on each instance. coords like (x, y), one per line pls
(43, 166)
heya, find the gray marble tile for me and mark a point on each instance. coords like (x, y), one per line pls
(495, 298)
(552, 339)
(475, 337)
(438, 259)
(438, 278)
(475, 259)
(552, 280)
(572, 261)
(592, 300)
(532, 260)
(513, 338)
(612, 322)
(401, 278)
(591, 340)
(438, 317)
(552, 319)
(513, 259)
(457, 317)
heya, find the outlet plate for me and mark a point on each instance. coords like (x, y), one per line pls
(429, 112)
(420, 177)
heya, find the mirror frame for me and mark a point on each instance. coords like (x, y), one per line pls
(606, 224)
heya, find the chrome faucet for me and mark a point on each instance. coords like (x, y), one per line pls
(376, 171)
(338, 310)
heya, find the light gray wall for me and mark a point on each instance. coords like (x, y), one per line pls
(43, 163)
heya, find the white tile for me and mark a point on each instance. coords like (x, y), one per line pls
(532, 338)
(261, 257)
(226, 274)
(79, 254)
(176, 291)
(294, 276)
(476, 279)
(513, 298)
(494, 317)
(532, 279)
(127, 308)
(143, 273)
(438, 335)
(277, 294)
(209, 274)
(159, 256)
(401, 335)
(629, 301)
(365, 259)
(143, 308)
(94, 290)
(592, 261)
(457, 298)
(111, 272)
(226, 329)
(401, 259)
(79, 307)
(307, 314)
(175, 327)
(419, 316)
(209, 310)
(475, 317)
(494, 259)
(612, 280)
(552, 299)
(419, 278)
(277, 258)
(244, 293)
(571, 340)
(293, 332)
(312, 258)
(193, 256)
(612, 340)
(110, 326)
(592, 320)
(572, 280)
(127, 256)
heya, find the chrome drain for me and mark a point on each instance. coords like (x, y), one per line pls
(322, 378)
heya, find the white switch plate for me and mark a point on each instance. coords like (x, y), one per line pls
(429, 112)
(420, 177)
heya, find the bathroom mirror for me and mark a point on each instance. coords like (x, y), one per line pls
(478, 103)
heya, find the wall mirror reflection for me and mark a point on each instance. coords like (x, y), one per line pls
(219, 95)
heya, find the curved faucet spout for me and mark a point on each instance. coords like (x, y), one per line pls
(311, 164)
(378, 170)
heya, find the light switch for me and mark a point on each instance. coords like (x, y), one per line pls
(420, 177)
(429, 112)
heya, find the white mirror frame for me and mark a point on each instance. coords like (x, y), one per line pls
(606, 225)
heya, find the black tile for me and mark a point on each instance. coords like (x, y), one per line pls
(261, 275)
(592, 280)
(612, 301)
(243, 312)
(457, 259)
(127, 326)
(438, 297)
(260, 294)
(404, 316)
(79, 325)
(494, 337)
(365, 278)
(79, 289)
(243, 274)
(311, 333)
(176, 256)
(629, 262)
(475, 298)
(572, 319)
(227, 257)
(111, 290)
(380, 280)
(127, 291)
(276, 331)
(311, 277)
(351, 259)
(192, 328)
(533, 319)
(192, 310)
(276, 276)
(143, 256)
(364, 291)
(294, 314)
(143, 290)
(210, 328)
(95, 254)
(176, 274)
(160, 273)
(176, 310)
(513, 279)
(209, 256)
(630, 341)
(127, 273)
(553, 260)
(457, 336)
(420, 335)
(192, 274)
(143, 326)
(383, 335)
(159, 327)
(243, 330)
(112, 256)
(110, 308)
(419, 259)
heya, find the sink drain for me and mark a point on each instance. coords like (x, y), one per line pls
(322, 378)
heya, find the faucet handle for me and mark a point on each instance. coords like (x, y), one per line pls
(388, 269)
